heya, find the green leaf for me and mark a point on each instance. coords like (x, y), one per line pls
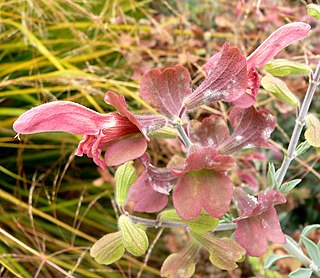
(312, 133)
(312, 250)
(125, 176)
(308, 229)
(271, 176)
(274, 258)
(302, 148)
(165, 132)
(135, 240)
(181, 264)
(203, 223)
(286, 187)
(224, 252)
(301, 273)
(108, 249)
(314, 10)
(279, 90)
(283, 67)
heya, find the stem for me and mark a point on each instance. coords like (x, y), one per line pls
(300, 122)
(172, 224)
(184, 137)
(293, 250)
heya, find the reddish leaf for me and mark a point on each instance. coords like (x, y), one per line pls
(212, 131)
(259, 219)
(226, 78)
(203, 184)
(252, 128)
(146, 199)
(166, 89)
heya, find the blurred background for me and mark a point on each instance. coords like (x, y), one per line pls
(53, 205)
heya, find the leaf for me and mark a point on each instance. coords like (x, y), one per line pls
(226, 78)
(308, 229)
(274, 258)
(125, 176)
(302, 148)
(314, 10)
(212, 131)
(283, 67)
(181, 264)
(166, 89)
(108, 249)
(312, 249)
(224, 252)
(252, 128)
(286, 187)
(312, 133)
(301, 273)
(135, 240)
(204, 222)
(145, 198)
(271, 176)
(279, 90)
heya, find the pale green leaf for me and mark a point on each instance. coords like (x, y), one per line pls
(314, 10)
(125, 176)
(283, 67)
(301, 273)
(308, 229)
(135, 240)
(224, 252)
(274, 258)
(279, 90)
(312, 250)
(108, 249)
(286, 187)
(312, 133)
(181, 264)
(271, 176)
(204, 222)
(302, 148)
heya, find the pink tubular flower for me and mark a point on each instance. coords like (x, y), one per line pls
(121, 133)
(203, 184)
(277, 41)
(258, 221)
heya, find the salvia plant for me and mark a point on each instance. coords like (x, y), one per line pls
(197, 178)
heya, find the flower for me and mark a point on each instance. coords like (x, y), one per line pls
(258, 221)
(277, 41)
(121, 133)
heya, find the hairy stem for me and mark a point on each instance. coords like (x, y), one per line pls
(184, 137)
(300, 122)
(172, 224)
(291, 247)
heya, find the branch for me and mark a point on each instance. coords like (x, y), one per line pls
(300, 122)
